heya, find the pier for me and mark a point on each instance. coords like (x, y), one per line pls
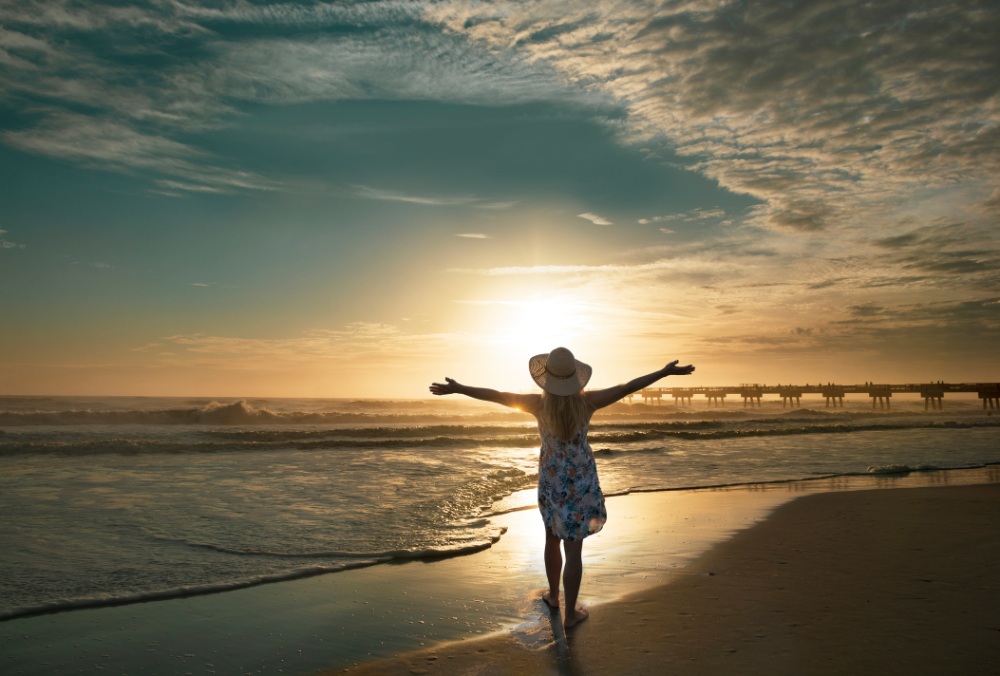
(752, 395)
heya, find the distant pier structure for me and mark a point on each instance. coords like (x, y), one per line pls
(880, 394)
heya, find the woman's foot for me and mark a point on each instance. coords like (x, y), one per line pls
(550, 600)
(576, 617)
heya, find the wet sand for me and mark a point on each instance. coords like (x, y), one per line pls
(872, 581)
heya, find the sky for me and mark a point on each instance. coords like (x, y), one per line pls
(354, 199)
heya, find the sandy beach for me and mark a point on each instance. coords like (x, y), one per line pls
(874, 581)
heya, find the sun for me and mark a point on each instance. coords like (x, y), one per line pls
(522, 328)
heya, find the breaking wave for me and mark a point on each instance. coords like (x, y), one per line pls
(353, 562)
(223, 437)
(224, 413)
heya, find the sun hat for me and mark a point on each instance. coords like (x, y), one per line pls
(559, 372)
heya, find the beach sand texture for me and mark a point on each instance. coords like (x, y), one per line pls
(865, 582)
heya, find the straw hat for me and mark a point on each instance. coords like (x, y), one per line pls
(558, 372)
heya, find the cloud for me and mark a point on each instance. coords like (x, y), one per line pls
(825, 284)
(97, 265)
(125, 87)
(826, 111)
(879, 339)
(896, 242)
(7, 244)
(692, 216)
(866, 310)
(115, 144)
(472, 235)
(536, 270)
(949, 250)
(368, 192)
(595, 219)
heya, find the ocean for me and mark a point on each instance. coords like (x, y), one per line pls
(107, 501)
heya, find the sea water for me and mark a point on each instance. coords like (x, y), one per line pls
(114, 500)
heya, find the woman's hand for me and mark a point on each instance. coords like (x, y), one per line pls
(449, 386)
(672, 369)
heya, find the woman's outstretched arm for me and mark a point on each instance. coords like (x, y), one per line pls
(606, 397)
(525, 402)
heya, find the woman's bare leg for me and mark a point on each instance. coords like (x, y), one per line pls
(572, 575)
(553, 568)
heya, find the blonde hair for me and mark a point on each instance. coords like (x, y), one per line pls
(565, 416)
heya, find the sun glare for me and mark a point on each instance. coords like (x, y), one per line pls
(525, 328)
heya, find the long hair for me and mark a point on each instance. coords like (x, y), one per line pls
(565, 416)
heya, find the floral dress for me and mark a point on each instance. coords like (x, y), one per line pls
(569, 493)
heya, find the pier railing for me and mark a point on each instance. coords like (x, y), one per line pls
(752, 394)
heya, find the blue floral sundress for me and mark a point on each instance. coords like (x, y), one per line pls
(569, 493)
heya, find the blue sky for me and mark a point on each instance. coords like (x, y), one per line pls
(355, 198)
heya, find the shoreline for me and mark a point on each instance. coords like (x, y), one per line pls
(879, 580)
(503, 507)
(330, 622)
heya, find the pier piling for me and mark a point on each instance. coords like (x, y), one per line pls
(990, 394)
(882, 395)
(716, 399)
(788, 394)
(651, 395)
(751, 395)
(933, 396)
(833, 394)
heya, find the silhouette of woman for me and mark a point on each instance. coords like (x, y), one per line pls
(569, 492)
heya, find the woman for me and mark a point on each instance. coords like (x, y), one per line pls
(569, 493)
